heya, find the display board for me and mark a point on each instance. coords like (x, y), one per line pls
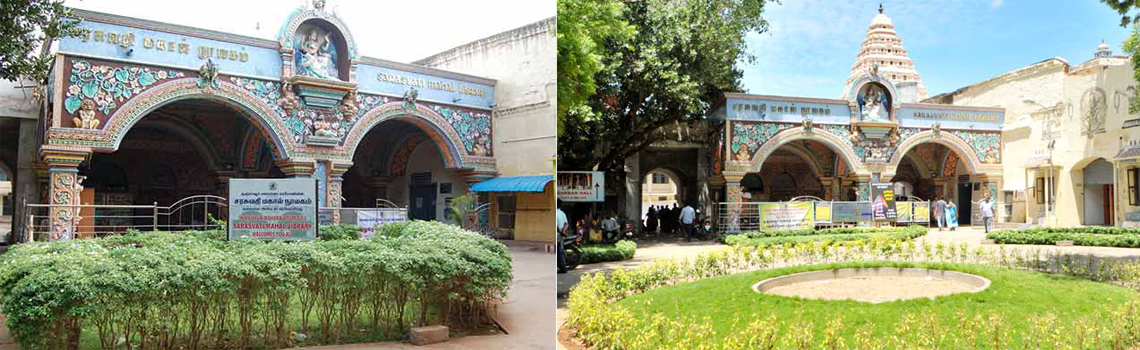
(904, 212)
(581, 186)
(883, 201)
(273, 209)
(922, 212)
(372, 220)
(787, 216)
(823, 212)
(848, 212)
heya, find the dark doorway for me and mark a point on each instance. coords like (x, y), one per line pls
(422, 197)
(965, 202)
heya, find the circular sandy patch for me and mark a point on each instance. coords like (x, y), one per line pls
(873, 285)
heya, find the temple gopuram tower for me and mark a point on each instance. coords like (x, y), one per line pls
(884, 48)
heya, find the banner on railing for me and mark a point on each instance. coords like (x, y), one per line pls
(371, 220)
(850, 212)
(922, 212)
(903, 211)
(787, 216)
(883, 201)
(823, 212)
(273, 209)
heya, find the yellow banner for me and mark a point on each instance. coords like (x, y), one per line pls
(822, 211)
(922, 212)
(787, 216)
(902, 211)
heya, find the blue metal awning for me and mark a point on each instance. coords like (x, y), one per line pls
(513, 184)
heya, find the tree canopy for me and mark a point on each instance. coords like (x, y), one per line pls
(1131, 44)
(582, 25)
(680, 59)
(28, 25)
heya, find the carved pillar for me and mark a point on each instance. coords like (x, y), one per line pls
(734, 196)
(296, 167)
(64, 191)
(826, 184)
(333, 197)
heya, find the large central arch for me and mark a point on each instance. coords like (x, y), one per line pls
(837, 144)
(955, 143)
(260, 115)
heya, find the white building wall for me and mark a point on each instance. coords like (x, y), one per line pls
(523, 62)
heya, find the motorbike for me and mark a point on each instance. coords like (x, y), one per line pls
(629, 231)
(572, 245)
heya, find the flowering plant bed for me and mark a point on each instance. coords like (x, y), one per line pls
(1083, 236)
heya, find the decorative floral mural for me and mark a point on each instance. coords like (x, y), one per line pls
(109, 86)
(844, 133)
(903, 134)
(269, 93)
(402, 154)
(474, 128)
(951, 165)
(748, 137)
(987, 145)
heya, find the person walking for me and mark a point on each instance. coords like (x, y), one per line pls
(940, 212)
(651, 220)
(951, 215)
(561, 228)
(687, 217)
(987, 207)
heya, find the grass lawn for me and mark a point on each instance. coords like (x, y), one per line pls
(1019, 297)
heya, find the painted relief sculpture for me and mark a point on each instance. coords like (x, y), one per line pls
(86, 119)
(873, 104)
(316, 57)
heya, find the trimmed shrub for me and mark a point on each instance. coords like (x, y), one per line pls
(190, 290)
(338, 232)
(1083, 236)
(595, 253)
(767, 238)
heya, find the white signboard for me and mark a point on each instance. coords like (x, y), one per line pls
(273, 209)
(581, 186)
(372, 220)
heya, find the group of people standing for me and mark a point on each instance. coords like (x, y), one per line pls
(669, 220)
(946, 213)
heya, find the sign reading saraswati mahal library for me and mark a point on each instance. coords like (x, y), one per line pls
(273, 209)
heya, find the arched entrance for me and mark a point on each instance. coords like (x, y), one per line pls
(662, 187)
(404, 157)
(183, 148)
(796, 163)
(941, 166)
(1098, 193)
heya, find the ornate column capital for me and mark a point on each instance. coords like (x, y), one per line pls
(296, 167)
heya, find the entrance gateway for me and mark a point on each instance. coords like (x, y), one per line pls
(147, 113)
(769, 148)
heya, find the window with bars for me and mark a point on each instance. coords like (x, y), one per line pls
(660, 178)
(506, 212)
(1134, 186)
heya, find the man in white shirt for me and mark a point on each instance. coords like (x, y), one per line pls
(987, 207)
(688, 216)
(610, 228)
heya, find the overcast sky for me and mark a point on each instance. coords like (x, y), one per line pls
(812, 44)
(401, 31)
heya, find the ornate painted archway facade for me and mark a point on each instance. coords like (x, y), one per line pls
(308, 95)
(870, 133)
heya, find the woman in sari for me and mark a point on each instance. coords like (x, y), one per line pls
(951, 215)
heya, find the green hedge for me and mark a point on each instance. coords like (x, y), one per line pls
(595, 253)
(759, 238)
(193, 291)
(1083, 236)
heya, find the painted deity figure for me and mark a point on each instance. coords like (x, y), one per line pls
(873, 109)
(86, 119)
(315, 58)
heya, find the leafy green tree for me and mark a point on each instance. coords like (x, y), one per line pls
(27, 28)
(1132, 43)
(582, 25)
(681, 59)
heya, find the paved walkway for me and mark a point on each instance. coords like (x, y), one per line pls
(528, 314)
(678, 249)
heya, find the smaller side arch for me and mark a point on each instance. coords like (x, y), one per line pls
(837, 144)
(955, 143)
(7, 172)
(431, 123)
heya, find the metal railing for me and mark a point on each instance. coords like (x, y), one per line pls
(94, 220)
(807, 212)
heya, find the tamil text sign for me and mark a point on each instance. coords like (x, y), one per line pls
(581, 186)
(883, 201)
(273, 209)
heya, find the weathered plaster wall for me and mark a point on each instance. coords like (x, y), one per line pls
(1050, 83)
(523, 63)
